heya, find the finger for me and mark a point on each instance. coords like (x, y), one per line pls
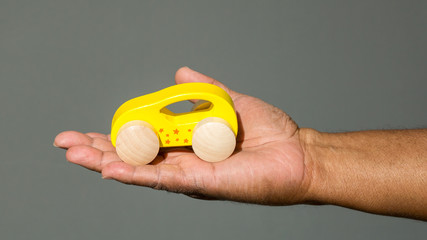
(72, 138)
(103, 145)
(172, 155)
(68, 139)
(187, 75)
(161, 177)
(147, 175)
(177, 157)
(97, 135)
(91, 158)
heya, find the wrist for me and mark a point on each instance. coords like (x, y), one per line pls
(327, 175)
(309, 139)
(374, 171)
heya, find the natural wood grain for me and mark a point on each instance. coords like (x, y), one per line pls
(137, 143)
(213, 140)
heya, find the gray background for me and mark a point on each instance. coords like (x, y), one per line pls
(332, 65)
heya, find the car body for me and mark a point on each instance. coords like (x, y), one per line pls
(176, 129)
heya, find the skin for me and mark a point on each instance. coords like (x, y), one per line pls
(383, 172)
(277, 163)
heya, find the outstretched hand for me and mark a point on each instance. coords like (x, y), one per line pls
(267, 166)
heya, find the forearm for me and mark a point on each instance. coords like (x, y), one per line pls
(382, 172)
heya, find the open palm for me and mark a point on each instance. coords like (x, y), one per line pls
(266, 168)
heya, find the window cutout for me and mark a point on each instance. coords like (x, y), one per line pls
(187, 106)
(201, 105)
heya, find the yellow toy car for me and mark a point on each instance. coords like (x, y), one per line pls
(142, 125)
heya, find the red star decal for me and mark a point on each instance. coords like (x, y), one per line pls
(176, 131)
(177, 139)
(167, 141)
(167, 135)
(185, 140)
(189, 130)
(160, 130)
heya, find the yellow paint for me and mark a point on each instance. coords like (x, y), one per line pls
(176, 129)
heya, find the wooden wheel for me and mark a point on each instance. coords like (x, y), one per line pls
(137, 143)
(213, 139)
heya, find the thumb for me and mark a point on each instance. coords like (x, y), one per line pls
(187, 75)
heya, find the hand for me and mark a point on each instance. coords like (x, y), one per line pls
(267, 166)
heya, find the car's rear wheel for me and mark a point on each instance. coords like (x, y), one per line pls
(213, 139)
(137, 143)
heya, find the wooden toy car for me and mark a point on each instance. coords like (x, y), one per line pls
(142, 125)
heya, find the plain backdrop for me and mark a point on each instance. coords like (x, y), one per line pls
(67, 65)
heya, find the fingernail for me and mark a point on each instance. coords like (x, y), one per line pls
(54, 144)
(106, 178)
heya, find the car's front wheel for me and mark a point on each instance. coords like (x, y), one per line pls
(137, 143)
